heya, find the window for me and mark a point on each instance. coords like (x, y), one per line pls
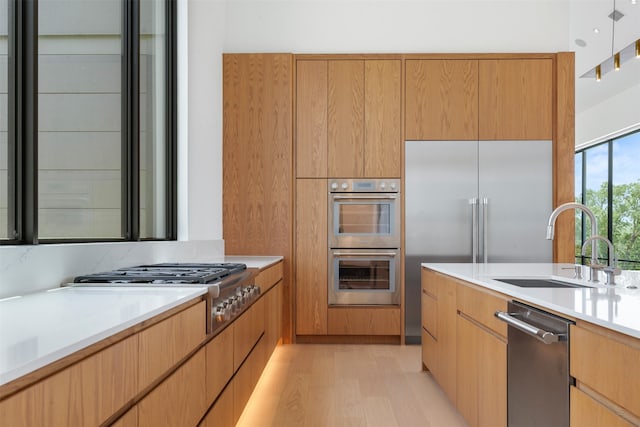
(101, 165)
(608, 182)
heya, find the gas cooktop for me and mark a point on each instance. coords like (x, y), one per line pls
(166, 273)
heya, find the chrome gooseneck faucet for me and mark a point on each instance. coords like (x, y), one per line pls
(595, 266)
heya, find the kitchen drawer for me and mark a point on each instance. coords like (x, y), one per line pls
(430, 314)
(429, 279)
(219, 362)
(247, 330)
(180, 400)
(607, 362)
(429, 352)
(481, 306)
(221, 413)
(364, 321)
(588, 412)
(269, 277)
(166, 343)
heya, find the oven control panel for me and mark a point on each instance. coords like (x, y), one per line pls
(228, 307)
(364, 185)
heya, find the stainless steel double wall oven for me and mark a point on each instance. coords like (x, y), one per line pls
(364, 241)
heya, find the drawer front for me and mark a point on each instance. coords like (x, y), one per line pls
(481, 306)
(607, 363)
(269, 277)
(219, 362)
(429, 281)
(364, 321)
(587, 412)
(247, 330)
(180, 399)
(429, 352)
(166, 343)
(430, 314)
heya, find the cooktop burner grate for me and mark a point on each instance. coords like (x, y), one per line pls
(165, 273)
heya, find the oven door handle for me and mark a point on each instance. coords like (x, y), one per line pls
(380, 197)
(389, 254)
(540, 334)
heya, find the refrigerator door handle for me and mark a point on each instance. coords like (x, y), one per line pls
(485, 229)
(474, 228)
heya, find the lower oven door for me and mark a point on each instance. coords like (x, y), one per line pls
(364, 277)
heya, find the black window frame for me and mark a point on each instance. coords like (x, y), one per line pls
(610, 168)
(22, 138)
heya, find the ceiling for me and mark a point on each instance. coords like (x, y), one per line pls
(585, 16)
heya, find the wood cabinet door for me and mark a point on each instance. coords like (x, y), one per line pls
(345, 116)
(382, 118)
(441, 99)
(516, 99)
(467, 377)
(311, 257)
(588, 412)
(311, 119)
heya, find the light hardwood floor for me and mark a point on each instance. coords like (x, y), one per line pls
(348, 385)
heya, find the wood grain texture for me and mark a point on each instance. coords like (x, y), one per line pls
(516, 99)
(492, 381)
(345, 116)
(247, 330)
(363, 321)
(467, 375)
(311, 119)
(447, 342)
(441, 99)
(269, 277)
(588, 412)
(221, 414)
(382, 114)
(273, 318)
(606, 362)
(429, 314)
(86, 393)
(481, 305)
(311, 257)
(219, 362)
(129, 419)
(564, 155)
(247, 377)
(348, 385)
(430, 359)
(258, 161)
(180, 399)
(166, 343)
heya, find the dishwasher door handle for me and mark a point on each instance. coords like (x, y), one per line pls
(540, 334)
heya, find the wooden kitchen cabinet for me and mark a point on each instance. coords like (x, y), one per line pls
(257, 186)
(606, 362)
(311, 257)
(86, 393)
(588, 412)
(363, 321)
(481, 357)
(441, 99)
(178, 400)
(247, 330)
(516, 99)
(439, 324)
(348, 118)
(184, 331)
(273, 318)
(219, 362)
(221, 413)
(486, 99)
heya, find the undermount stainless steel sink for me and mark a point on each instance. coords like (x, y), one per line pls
(539, 283)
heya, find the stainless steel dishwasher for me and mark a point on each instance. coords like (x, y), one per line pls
(538, 377)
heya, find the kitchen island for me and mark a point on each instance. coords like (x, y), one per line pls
(465, 346)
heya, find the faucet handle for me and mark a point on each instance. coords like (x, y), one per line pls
(611, 273)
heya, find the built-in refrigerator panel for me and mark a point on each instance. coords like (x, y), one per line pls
(516, 180)
(443, 178)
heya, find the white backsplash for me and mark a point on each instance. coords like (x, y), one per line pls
(32, 268)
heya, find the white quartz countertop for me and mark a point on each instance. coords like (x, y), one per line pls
(259, 262)
(40, 328)
(616, 308)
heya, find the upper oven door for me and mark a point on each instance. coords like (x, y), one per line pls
(364, 220)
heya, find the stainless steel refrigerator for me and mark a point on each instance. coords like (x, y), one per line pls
(465, 200)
